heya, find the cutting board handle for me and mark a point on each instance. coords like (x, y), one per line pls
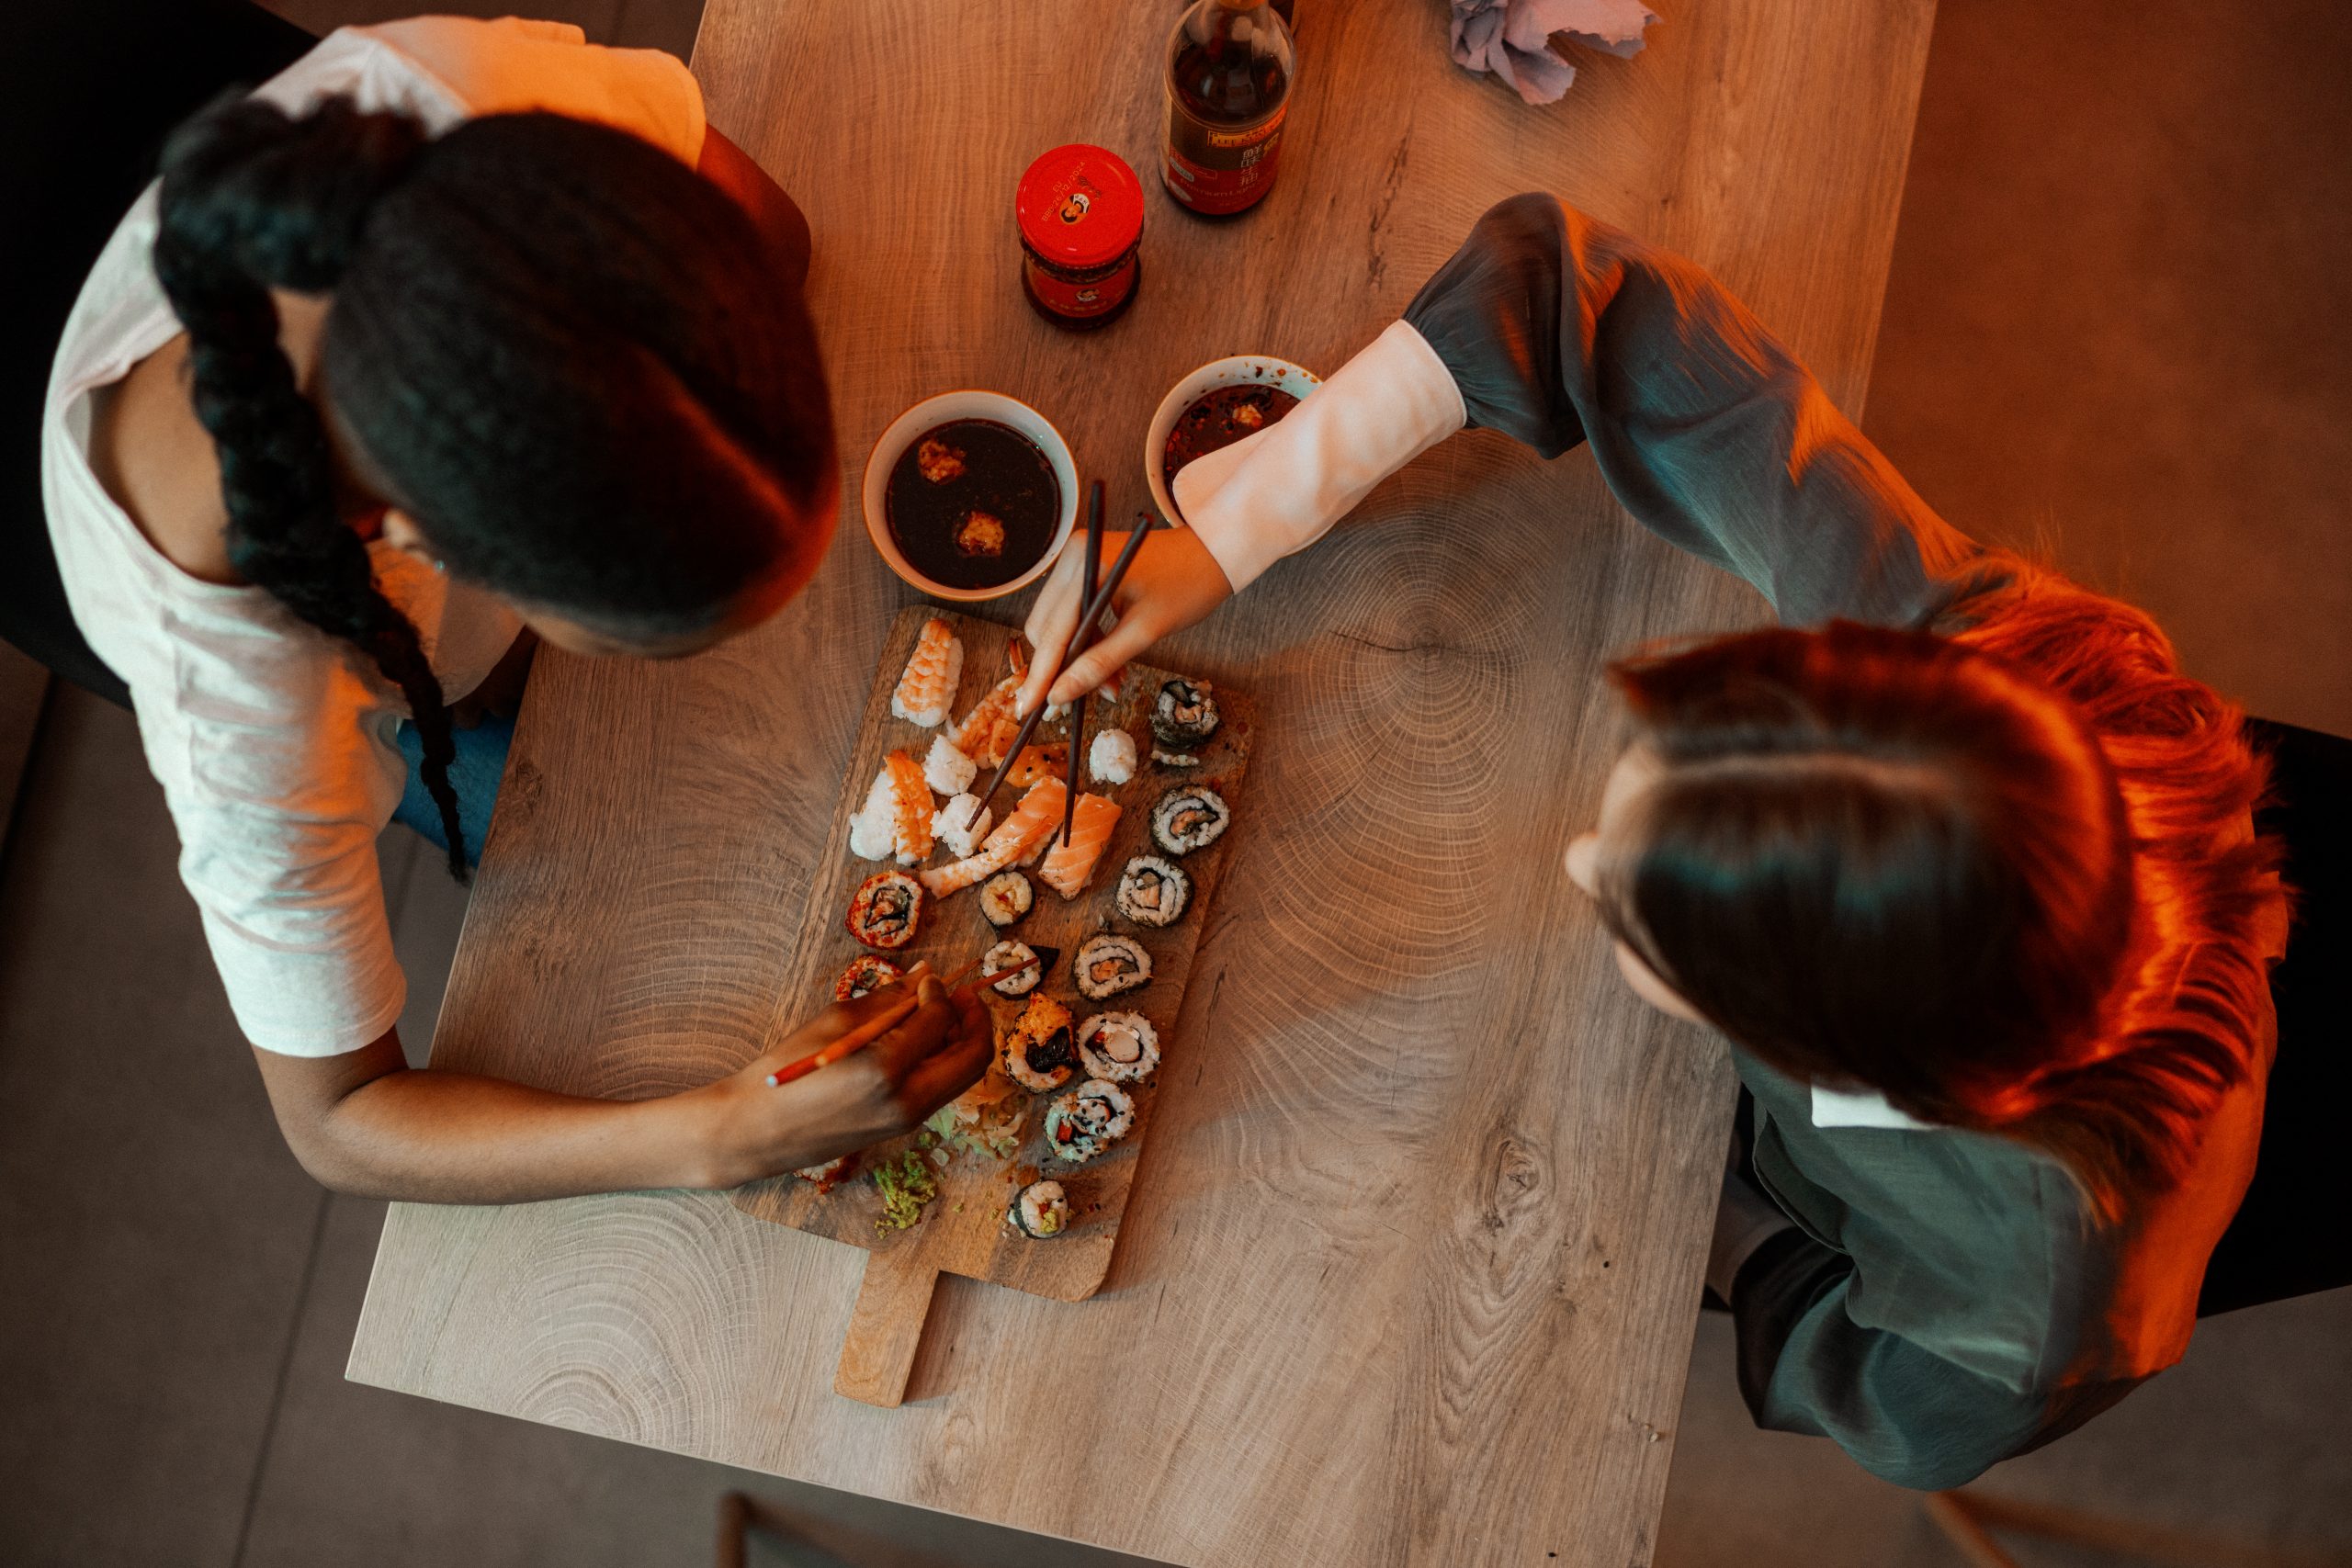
(885, 1326)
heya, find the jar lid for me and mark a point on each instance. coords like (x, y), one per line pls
(1079, 206)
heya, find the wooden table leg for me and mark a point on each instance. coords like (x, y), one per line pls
(885, 1328)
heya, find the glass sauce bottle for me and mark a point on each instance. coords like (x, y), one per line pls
(1230, 69)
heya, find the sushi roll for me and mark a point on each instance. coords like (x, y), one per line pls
(1189, 818)
(1040, 1052)
(1007, 955)
(1111, 758)
(1118, 1047)
(886, 911)
(1110, 964)
(1039, 1210)
(864, 975)
(1005, 898)
(1185, 716)
(932, 673)
(961, 824)
(1153, 892)
(1088, 1120)
(947, 769)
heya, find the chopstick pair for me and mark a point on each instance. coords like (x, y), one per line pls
(1080, 636)
(873, 1029)
(1082, 639)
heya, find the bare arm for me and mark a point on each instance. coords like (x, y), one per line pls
(366, 1122)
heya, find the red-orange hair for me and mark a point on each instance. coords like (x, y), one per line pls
(2006, 876)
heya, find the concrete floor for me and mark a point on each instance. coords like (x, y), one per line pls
(2116, 328)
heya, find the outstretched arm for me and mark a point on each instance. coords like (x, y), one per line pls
(1558, 330)
(366, 1122)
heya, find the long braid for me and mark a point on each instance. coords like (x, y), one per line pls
(252, 200)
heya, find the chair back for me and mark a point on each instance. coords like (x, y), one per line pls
(88, 91)
(2293, 1233)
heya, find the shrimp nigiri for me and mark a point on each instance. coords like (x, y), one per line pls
(987, 730)
(928, 688)
(1069, 866)
(1024, 828)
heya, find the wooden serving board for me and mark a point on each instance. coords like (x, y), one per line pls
(964, 1230)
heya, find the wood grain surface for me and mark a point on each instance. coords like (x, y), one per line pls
(1410, 1267)
(964, 1230)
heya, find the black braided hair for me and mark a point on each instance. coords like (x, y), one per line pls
(564, 354)
(247, 205)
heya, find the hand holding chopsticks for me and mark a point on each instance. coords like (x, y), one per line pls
(1089, 619)
(891, 1014)
(1173, 583)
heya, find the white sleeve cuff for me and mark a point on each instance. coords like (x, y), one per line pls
(1280, 490)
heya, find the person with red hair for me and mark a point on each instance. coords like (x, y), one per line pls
(1960, 863)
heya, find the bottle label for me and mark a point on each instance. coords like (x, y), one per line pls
(1215, 168)
(1079, 300)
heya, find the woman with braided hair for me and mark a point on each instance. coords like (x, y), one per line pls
(451, 335)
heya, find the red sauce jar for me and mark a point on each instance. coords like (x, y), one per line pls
(1080, 212)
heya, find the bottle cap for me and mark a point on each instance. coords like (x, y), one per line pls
(1079, 206)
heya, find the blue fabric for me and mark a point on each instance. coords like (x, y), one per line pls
(482, 761)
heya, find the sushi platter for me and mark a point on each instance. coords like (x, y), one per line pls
(1022, 1180)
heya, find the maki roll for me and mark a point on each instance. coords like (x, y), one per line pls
(864, 975)
(1039, 1210)
(1039, 1053)
(1088, 1120)
(1188, 818)
(886, 909)
(1185, 716)
(1110, 964)
(1005, 898)
(1118, 1047)
(1007, 955)
(1153, 892)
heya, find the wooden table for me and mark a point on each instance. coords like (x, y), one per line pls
(1409, 1272)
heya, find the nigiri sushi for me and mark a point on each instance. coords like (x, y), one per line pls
(928, 688)
(946, 768)
(1023, 828)
(1111, 758)
(987, 730)
(961, 825)
(897, 816)
(1069, 866)
(911, 813)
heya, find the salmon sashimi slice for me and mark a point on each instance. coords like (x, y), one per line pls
(927, 690)
(1023, 828)
(910, 818)
(987, 730)
(1069, 866)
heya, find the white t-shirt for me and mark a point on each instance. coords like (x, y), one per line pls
(274, 742)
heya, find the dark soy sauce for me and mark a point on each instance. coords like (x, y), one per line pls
(1219, 418)
(972, 503)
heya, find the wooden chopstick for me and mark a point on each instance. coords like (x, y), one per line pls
(1080, 639)
(857, 1039)
(1100, 602)
(865, 1034)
